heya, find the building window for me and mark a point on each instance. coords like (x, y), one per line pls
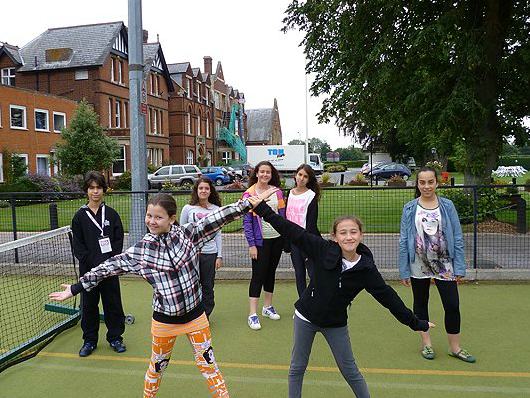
(209, 158)
(199, 125)
(43, 165)
(110, 112)
(81, 74)
(152, 83)
(41, 120)
(190, 87)
(119, 165)
(59, 121)
(125, 115)
(208, 126)
(227, 156)
(198, 93)
(161, 123)
(112, 71)
(217, 100)
(18, 116)
(157, 84)
(117, 114)
(189, 157)
(188, 123)
(24, 157)
(155, 121)
(8, 76)
(218, 128)
(120, 72)
(160, 154)
(0, 114)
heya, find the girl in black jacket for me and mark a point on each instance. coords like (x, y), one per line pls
(343, 267)
(302, 209)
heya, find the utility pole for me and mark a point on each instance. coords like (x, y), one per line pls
(138, 110)
(306, 124)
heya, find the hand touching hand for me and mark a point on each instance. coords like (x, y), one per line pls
(256, 200)
(61, 296)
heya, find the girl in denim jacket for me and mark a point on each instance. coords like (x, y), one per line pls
(431, 246)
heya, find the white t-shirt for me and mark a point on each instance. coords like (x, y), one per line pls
(193, 213)
(297, 206)
(266, 229)
(432, 258)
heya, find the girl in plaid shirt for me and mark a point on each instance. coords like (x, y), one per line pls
(168, 259)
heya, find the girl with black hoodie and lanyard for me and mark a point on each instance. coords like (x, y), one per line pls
(343, 267)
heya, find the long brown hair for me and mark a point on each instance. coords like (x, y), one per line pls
(275, 176)
(312, 183)
(165, 201)
(214, 195)
(417, 192)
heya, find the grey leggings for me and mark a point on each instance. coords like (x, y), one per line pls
(339, 342)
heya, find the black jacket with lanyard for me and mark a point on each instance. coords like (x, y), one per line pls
(331, 291)
(86, 236)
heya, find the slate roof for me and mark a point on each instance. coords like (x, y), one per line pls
(150, 50)
(259, 124)
(90, 46)
(12, 51)
(180, 67)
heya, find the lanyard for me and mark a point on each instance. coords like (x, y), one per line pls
(89, 214)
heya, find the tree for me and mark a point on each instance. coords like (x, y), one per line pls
(351, 153)
(314, 145)
(437, 73)
(85, 146)
(296, 142)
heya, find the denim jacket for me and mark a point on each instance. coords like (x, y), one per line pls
(450, 226)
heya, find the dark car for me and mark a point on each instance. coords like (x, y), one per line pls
(387, 170)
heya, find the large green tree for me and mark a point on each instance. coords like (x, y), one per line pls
(85, 146)
(436, 72)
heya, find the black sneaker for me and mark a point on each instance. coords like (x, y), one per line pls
(87, 349)
(118, 346)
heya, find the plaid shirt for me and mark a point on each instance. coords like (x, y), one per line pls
(169, 262)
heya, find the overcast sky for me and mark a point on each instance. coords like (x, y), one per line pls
(244, 35)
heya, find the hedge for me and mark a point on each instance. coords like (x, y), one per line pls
(515, 160)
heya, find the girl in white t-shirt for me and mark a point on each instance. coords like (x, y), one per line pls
(205, 200)
(302, 209)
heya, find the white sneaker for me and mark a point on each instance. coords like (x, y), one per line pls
(253, 322)
(269, 312)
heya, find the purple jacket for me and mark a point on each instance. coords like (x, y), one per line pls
(252, 222)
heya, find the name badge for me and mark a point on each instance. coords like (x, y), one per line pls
(104, 244)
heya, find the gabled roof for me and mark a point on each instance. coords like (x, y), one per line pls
(206, 78)
(197, 73)
(154, 58)
(181, 67)
(259, 124)
(219, 71)
(13, 52)
(71, 47)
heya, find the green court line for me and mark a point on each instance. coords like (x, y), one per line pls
(311, 368)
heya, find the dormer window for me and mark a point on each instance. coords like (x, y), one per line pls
(8, 76)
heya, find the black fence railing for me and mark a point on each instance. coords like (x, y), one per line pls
(495, 222)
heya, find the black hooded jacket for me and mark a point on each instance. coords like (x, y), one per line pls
(325, 301)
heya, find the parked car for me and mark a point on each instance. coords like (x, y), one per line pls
(219, 175)
(387, 170)
(231, 173)
(367, 166)
(242, 169)
(177, 174)
(411, 164)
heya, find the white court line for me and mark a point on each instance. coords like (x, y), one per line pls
(519, 391)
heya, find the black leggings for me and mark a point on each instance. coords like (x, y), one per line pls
(448, 293)
(264, 268)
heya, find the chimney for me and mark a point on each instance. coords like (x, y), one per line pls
(207, 64)
(145, 36)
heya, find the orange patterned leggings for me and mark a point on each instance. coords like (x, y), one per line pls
(198, 332)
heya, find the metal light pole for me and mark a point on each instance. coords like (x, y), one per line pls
(138, 109)
(306, 124)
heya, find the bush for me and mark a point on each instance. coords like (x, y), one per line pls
(123, 182)
(397, 178)
(236, 185)
(70, 183)
(518, 160)
(488, 202)
(336, 168)
(168, 186)
(43, 183)
(4, 204)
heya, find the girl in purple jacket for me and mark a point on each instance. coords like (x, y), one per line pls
(265, 244)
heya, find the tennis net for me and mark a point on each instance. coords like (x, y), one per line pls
(30, 269)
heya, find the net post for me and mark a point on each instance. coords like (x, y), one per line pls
(14, 224)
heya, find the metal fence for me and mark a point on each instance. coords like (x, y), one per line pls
(495, 224)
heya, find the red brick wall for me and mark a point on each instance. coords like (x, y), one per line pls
(29, 141)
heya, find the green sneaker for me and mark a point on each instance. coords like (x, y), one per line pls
(427, 352)
(463, 355)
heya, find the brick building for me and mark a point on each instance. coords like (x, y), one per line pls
(264, 127)
(30, 126)
(91, 61)
(200, 113)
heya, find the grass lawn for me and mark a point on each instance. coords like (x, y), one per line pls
(495, 317)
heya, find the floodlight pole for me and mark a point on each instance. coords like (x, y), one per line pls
(137, 125)
(306, 151)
